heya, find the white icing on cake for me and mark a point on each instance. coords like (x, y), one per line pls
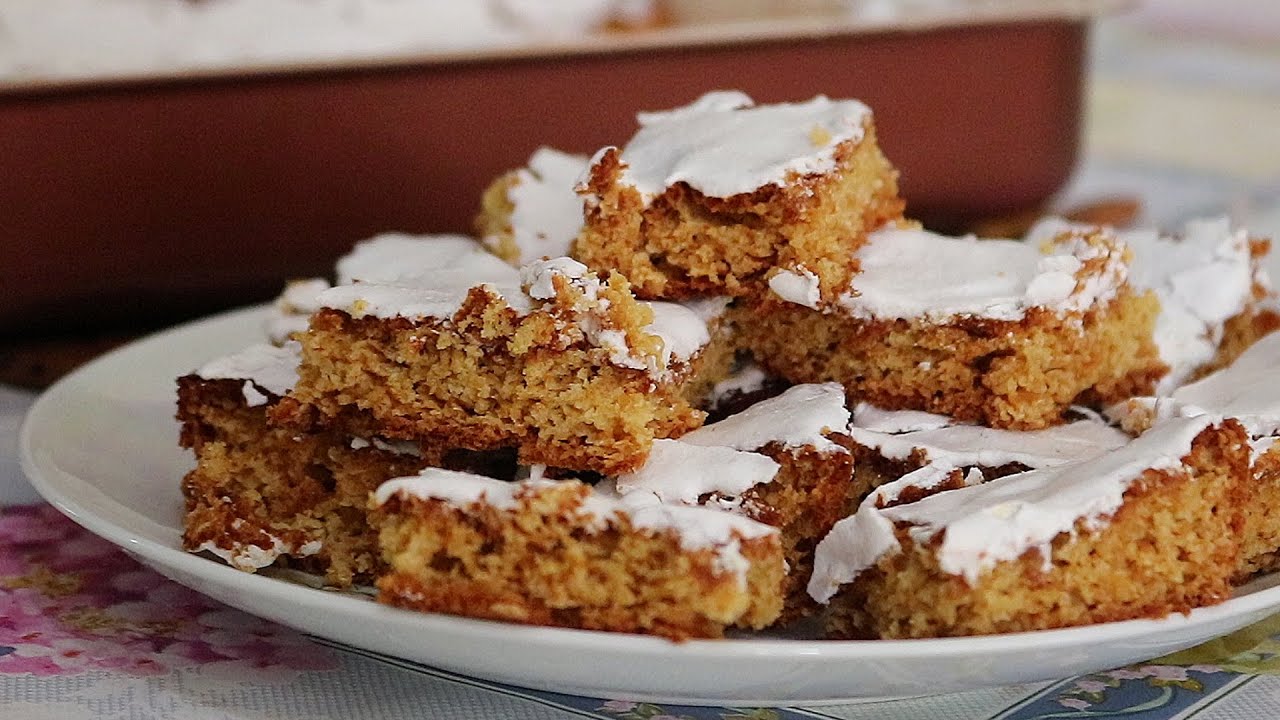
(1202, 279)
(546, 211)
(697, 528)
(998, 521)
(745, 380)
(394, 256)
(683, 332)
(875, 419)
(682, 473)
(910, 274)
(291, 312)
(799, 286)
(967, 445)
(723, 145)
(396, 447)
(709, 309)
(860, 540)
(1247, 390)
(250, 557)
(798, 418)
(271, 368)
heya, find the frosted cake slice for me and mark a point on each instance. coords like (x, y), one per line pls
(1143, 531)
(998, 332)
(716, 196)
(560, 553)
(534, 212)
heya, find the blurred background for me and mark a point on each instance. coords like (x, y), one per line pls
(163, 159)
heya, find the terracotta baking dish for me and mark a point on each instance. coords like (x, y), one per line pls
(138, 202)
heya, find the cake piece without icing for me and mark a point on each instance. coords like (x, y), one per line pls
(560, 553)
(716, 196)
(997, 332)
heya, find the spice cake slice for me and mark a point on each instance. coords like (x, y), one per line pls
(260, 494)
(1143, 531)
(713, 197)
(998, 332)
(569, 369)
(560, 553)
(783, 461)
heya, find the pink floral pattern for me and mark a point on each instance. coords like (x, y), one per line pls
(71, 602)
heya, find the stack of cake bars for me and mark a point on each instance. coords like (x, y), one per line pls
(715, 378)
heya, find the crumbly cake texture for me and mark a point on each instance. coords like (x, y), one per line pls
(784, 461)
(715, 197)
(1215, 296)
(1247, 391)
(533, 212)
(558, 553)
(1144, 531)
(569, 369)
(261, 495)
(997, 332)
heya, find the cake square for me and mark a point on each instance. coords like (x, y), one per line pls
(716, 196)
(534, 212)
(998, 332)
(559, 553)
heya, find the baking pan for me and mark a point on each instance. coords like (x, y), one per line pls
(133, 201)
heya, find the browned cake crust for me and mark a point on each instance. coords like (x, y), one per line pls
(684, 243)
(1172, 546)
(1020, 375)
(257, 486)
(490, 378)
(1260, 538)
(538, 564)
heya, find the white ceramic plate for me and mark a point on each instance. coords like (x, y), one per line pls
(101, 445)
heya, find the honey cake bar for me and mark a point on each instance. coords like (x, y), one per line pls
(569, 369)
(997, 332)
(1140, 532)
(713, 197)
(560, 553)
(534, 212)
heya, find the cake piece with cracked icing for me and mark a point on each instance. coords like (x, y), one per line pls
(260, 495)
(1247, 391)
(560, 553)
(468, 352)
(999, 332)
(1141, 531)
(1215, 295)
(718, 196)
(783, 461)
(534, 212)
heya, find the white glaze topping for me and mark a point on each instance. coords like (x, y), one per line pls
(798, 418)
(908, 273)
(546, 210)
(966, 445)
(745, 380)
(393, 256)
(291, 312)
(682, 473)
(876, 419)
(722, 145)
(683, 332)
(1247, 390)
(799, 286)
(255, 556)
(1202, 279)
(860, 540)
(271, 368)
(998, 521)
